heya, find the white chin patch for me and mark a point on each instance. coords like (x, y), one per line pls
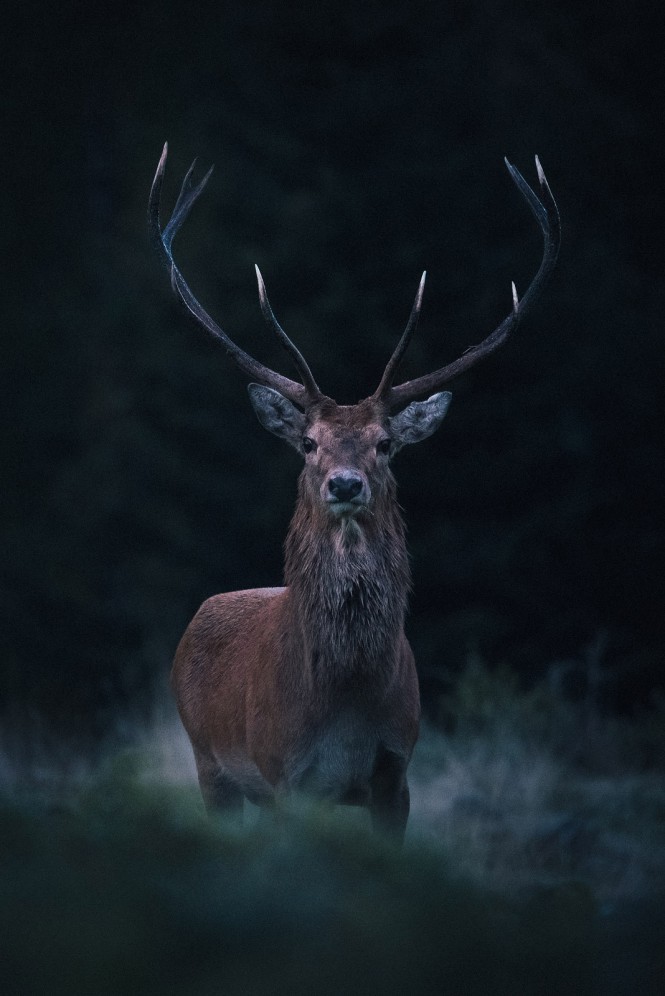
(345, 509)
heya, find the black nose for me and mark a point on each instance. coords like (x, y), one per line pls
(345, 487)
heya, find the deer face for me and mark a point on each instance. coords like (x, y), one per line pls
(347, 448)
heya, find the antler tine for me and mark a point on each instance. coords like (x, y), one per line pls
(300, 394)
(546, 214)
(301, 363)
(389, 373)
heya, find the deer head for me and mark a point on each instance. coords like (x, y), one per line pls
(347, 448)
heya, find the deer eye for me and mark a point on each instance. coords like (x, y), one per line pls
(383, 446)
(308, 445)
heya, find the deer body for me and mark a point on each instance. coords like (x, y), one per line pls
(313, 687)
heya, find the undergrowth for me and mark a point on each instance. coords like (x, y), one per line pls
(534, 862)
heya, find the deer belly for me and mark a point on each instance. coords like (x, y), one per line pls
(338, 761)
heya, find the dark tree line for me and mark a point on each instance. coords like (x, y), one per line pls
(355, 146)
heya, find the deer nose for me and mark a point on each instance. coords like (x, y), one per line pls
(345, 487)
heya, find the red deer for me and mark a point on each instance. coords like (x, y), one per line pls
(312, 687)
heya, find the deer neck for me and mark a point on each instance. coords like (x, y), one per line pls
(348, 582)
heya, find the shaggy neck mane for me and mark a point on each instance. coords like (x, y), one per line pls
(349, 581)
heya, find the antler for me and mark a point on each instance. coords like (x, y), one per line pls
(303, 394)
(411, 325)
(547, 215)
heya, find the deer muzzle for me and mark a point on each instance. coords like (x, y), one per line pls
(346, 492)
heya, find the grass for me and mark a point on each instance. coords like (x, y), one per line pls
(534, 863)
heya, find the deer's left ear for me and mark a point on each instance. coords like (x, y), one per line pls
(277, 414)
(419, 420)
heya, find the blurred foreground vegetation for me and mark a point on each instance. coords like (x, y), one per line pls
(534, 863)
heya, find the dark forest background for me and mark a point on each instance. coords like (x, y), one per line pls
(355, 145)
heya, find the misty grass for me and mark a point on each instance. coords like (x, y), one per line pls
(529, 866)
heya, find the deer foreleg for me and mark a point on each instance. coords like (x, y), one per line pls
(389, 806)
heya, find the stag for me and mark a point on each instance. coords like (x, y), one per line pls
(312, 686)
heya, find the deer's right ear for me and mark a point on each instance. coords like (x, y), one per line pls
(277, 414)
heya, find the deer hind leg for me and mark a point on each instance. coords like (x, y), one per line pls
(221, 794)
(389, 806)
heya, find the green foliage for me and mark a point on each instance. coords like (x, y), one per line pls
(521, 865)
(581, 731)
(529, 786)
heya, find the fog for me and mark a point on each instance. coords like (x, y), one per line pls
(536, 843)
(526, 791)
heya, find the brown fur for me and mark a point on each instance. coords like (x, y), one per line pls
(313, 686)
